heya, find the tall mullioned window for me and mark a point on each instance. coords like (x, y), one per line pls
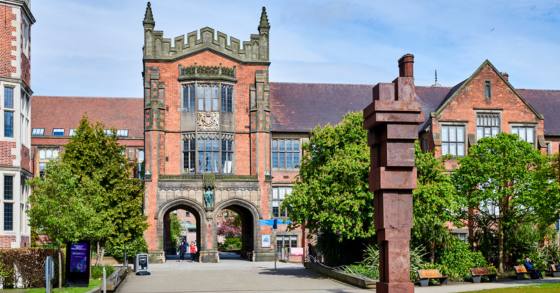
(188, 98)
(227, 156)
(8, 187)
(285, 153)
(278, 196)
(526, 133)
(8, 97)
(8, 216)
(487, 89)
(208, 155)
(227, 99)
(208, 98)
(189, 150)
(453, 140)
(487, 125)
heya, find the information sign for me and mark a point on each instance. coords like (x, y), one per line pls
(78, 264)
(266, 241)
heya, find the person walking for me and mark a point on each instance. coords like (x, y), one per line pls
(182, 250)
(193, 251)
(535, 274)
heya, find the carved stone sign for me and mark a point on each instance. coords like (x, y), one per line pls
(208, 121)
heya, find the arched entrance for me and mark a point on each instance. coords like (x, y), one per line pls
(195, 212)
(249, 216)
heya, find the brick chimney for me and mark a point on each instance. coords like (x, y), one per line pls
(406, 66)
(505, 75)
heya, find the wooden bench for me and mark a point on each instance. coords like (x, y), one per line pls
(521, 271)
(553, 271)
(478, 273)
(426, 275)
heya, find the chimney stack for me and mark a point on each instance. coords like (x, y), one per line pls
(406, 66)
(505, 75)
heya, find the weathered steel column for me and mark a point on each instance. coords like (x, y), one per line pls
(392, 120)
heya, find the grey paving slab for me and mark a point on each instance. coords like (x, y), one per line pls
(231, 275)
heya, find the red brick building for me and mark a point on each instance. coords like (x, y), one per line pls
(15, 135)
(210, 117)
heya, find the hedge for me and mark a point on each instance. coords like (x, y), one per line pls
(27, 264)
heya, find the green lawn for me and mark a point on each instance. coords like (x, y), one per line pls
(92, 284)
(544, 288)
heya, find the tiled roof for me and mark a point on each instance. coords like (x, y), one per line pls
(300, 107)
(547, 103)
(50, 112)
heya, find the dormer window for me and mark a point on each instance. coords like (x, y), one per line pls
(487, 89)
(58, 132)
(38, 131)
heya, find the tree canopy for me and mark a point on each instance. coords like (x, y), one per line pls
(504, 181)
(331, 193)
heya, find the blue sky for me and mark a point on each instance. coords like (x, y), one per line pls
(94, 47)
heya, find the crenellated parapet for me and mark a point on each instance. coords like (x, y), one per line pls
(197, 72)
(158, 48)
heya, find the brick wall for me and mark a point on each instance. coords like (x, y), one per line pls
(25, 158)
(6, 241)
(6, 38)
(6, 156)
(25, 242)
(25, 69)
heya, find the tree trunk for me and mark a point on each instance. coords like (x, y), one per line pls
(102, 254)
(432, 252)
(59, 268)
(500, 250)
(98, 262)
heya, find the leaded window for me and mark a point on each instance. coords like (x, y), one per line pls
(45, 155)
(487, 125)
(526, 133)
(8, 124)
(188, 98)
(8, 97)
(285, 153)
(227, 156)
(208, 155)
(487, 89)
(208, 98)
(8, 216)
(453, 140)
(227, 99)
(8, 187)
(189, 159)
(278, 196)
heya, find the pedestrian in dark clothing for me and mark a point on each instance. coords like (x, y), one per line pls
(535, 274)
(182, 250)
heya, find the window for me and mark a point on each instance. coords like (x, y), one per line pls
(108, 132)
(525, 133)
(58, 132)
(45, 155)
(285, 153)
(25, 37)
(188, 98)
(487, 89)
(8, 124)
(38, 131)
(189, 158)
(227, 100)
(8, 216)
(283, 244)
(461, 236)
(187, 214)
(487, 125)
(453, 140)
(8, 187)
(8, 97)
(141, 155)
(72, 132)
(122, 132)
(208, 98)
(208, 155)
(426, 145)
(278, 196)
(191, 230)
(489, 207)
(227, 156)
(548, 148)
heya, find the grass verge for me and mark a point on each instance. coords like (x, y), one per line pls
(92, 284)
(543, 288)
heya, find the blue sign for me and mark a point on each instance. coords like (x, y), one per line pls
(266, 222)
(285, 222)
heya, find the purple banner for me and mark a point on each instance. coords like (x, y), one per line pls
(78, 257)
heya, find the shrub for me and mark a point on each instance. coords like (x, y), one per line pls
(139, 245)
(369, 267)
(30, 264)
(97, 271)
(232, 243)
(366, 271)
(459, 258)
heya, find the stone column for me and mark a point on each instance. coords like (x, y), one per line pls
(392, 122)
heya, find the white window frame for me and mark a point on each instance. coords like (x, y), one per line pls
(448, 124)
(58, 130)
(515, 126)
(278, 197)
(122, 132)
(489, 112)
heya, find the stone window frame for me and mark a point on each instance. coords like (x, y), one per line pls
(43, 160)
(196, 85)
(477, 112)
(291, 239)
(464, 125)
(526, 125)
(208, 135)
(301, 139)
(11, 109)
(487, 85)
(548, 147)
(9, 201)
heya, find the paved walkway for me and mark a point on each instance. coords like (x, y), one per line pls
(231, 275)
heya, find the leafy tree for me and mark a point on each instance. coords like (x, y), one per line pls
(435, 201)
(95, 154)
(505, 181)
(66, 207)
(330, 194)
(229, 228)
(175, 227)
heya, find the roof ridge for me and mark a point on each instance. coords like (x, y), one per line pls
(318, 83)
(83, 97)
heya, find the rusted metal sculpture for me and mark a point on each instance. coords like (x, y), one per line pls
(392, 122)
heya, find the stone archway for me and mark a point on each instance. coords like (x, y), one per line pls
(186, 204)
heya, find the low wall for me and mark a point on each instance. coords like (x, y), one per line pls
(347, 278)
(113, 281)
